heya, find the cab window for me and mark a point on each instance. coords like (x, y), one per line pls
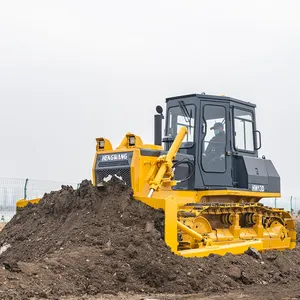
(179, 116)
(214, 142)
(243, 130)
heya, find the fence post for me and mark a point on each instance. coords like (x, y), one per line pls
(291, 204)
(25, 188)
(275, 202)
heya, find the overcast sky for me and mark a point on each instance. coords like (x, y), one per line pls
(71, 71)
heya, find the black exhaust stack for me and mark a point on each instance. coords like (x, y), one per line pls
(158, 126)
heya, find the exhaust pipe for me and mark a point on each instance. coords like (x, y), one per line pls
(158, 126)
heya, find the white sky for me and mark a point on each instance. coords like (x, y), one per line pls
(71, 71)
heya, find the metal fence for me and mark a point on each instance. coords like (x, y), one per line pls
(12, 189)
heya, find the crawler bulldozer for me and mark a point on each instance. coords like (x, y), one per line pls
(205, 174)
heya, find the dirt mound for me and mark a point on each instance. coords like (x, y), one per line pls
(91, 241)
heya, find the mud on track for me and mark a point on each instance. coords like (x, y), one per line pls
(102, 242)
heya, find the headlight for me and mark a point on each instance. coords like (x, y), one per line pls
(101, 144)
(131, 140)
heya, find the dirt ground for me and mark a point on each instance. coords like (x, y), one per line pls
(102, 244)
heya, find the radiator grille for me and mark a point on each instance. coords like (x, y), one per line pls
(106, 174)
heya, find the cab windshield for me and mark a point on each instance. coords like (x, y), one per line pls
(179, 116)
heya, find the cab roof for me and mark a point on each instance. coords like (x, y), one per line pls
(212, 97)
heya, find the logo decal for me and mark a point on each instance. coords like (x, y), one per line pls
(258, 188)
(114, 157)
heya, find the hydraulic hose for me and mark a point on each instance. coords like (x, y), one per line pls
(190, 165)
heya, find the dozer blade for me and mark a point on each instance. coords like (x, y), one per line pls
(234, 248)
(24, 202)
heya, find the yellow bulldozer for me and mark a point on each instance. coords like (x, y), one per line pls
(207, 177)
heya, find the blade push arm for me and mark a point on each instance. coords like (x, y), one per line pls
(162, 171)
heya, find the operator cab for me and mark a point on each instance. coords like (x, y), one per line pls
(222, 142)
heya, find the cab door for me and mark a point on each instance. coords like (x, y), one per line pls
(215, 148)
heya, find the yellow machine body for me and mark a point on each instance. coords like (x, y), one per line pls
(200, 220)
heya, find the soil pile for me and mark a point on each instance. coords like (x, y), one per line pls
(91, 241)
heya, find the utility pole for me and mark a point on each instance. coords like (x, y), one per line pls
(25, 189)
